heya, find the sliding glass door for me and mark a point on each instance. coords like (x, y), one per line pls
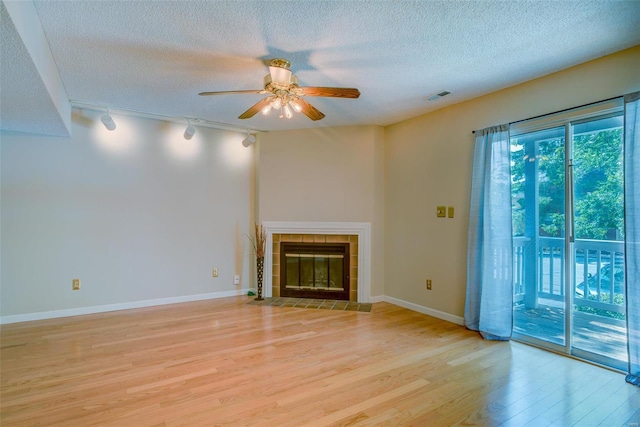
(568, 224)
(539, 199)
(598, 310)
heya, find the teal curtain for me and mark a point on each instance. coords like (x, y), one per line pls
(632, 230)
(489, 299)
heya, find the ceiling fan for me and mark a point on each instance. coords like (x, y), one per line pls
(284, 93)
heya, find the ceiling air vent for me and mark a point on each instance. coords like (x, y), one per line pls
(438, 95)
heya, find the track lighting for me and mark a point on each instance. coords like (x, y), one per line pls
(249, 140)
(107, 121)
(189, 131)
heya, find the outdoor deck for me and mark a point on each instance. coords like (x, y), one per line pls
(597, 334)
(593, 263)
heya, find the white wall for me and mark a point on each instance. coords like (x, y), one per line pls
(428, 162)
(326, 175)
(137, 214)
(321, 174)
(140, 214)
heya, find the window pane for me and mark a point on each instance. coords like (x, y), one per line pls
(597, 159)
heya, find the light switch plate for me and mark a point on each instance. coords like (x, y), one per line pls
(450, 211)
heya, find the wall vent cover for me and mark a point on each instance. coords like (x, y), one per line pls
(438, 95)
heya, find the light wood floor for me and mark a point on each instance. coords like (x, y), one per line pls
(224, 362)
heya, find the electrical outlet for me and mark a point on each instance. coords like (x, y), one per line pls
(428, 284)
(75, 284)
(214, 273)
(236, 279)
(441, 211)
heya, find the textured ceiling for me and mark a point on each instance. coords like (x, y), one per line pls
(156, 56)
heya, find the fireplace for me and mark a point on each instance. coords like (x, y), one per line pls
(356, 234)
(302, 268)
(315, 270)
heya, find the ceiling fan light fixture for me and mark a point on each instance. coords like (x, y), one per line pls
(297, 107)
(107, 121)
(282, 90)
(287, 111)
(189, 131)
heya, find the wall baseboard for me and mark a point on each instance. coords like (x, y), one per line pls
(377, 298)
(199, 297)
(424, 310)
(115, 307)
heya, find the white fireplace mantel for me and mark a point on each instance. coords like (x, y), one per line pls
(360, 229)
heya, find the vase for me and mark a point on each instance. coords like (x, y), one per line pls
(260, 270)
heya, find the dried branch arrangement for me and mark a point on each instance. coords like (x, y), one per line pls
(259, 241)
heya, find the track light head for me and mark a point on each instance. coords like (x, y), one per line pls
(107, 121)
(249, 140)
(189, 131)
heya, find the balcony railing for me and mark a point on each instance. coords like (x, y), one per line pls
(597, 271)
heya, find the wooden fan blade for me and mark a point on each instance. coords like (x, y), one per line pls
(309, 110)
(255, 108)
(230, 92)
(335, 92)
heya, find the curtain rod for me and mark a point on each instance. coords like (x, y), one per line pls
(560, 111)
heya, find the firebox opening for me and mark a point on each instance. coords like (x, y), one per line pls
(315, 270)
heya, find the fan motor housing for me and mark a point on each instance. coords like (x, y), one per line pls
(280, 63)
(270, 86)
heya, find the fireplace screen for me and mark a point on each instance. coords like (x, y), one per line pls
(315, 270)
